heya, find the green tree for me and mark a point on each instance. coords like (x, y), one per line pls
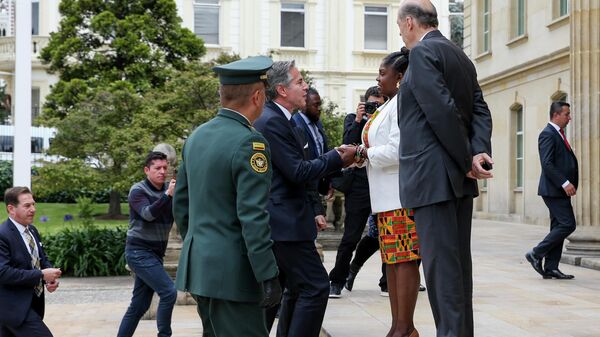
(111, 56)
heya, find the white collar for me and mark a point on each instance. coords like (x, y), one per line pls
(287, 114)
(555, 126)
(20, 227)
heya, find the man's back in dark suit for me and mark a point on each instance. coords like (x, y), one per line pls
(19, 277)
(445, 131)
(558, 183)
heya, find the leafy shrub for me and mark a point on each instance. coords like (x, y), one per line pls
(88, 252)
(67, 180)
(86, 211)
(6, 175)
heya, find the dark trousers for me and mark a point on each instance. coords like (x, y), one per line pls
(221, 318)
(444, 231)
(367, 246)
(33, 324)
(150, 277)
(304, 301)
(562, 224)
(354, 226)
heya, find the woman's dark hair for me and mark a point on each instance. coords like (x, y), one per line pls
(397, 60)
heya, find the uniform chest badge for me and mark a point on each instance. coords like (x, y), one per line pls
(259, 163)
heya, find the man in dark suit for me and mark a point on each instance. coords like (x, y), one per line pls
(219, 205)
(24, 268)
(309, 122)
(445, 130)
(558, 183)
(292, 221)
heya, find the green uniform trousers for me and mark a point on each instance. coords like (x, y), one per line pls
(222, 318)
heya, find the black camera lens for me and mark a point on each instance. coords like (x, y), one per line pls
(370, 107)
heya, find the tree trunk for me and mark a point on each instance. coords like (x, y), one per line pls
(114, 204)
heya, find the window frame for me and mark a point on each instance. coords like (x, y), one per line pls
(292, 10)
(520, 27)
(519, 133)
(35, 24)
(375, 14)
(204, 4)
(485, 20)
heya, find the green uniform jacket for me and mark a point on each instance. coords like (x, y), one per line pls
(219, 206)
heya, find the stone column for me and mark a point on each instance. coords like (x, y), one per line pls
(584, 244)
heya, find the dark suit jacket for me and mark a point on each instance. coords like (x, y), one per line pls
(321, 185)
(17, 276)
(358, 196)
(558, 164)
(292, 217)
(443, 122)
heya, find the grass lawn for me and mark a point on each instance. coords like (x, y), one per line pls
(55, 214)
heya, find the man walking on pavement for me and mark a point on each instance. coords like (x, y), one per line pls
(558, 183)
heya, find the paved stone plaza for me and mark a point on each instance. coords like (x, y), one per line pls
(510, 299)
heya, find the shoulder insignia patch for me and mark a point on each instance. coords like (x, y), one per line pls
(259, 163)
(258, 146)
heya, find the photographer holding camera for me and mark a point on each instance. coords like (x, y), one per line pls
(353, 183)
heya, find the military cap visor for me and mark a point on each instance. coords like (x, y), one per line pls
(246, 71)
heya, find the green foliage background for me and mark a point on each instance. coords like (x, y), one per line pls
(88, 251)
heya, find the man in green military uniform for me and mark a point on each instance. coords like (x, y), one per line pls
(220, 208)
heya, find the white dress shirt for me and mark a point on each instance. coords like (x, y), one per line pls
(21, 229)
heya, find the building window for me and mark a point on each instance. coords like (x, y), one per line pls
(484, 26)
(37, 144)
(456, 22)
(517, 113)
(206, 20)
(375, 28)
(292, 24)
(6, 143)
(560, 8)
(35, 17)
(35, 103)
(518, 18)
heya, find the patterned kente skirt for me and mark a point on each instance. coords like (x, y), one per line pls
(398, 241)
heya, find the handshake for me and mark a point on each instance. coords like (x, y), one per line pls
(352, 154)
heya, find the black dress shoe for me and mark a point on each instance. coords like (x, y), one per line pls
(422, 287)
(351, 277)
(536, 263)
(335, 290)
(557, 274)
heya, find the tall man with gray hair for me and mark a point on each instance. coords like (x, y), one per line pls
(445, 131)
(293, 227)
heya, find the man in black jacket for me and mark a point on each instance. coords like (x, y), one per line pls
(445, 130)
(358, 208)
(558, 183)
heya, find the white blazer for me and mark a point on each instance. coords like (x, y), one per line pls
(382, 166)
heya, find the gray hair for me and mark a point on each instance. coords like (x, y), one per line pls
(424, 17)
(279, 74)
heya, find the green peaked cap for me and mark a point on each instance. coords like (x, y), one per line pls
(246, 71)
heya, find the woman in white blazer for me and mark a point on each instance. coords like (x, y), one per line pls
(398, 241)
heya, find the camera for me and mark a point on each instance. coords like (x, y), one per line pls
(370, 107)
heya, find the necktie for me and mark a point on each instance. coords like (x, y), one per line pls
(562, 133)
(318, 139)
(35, 259)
